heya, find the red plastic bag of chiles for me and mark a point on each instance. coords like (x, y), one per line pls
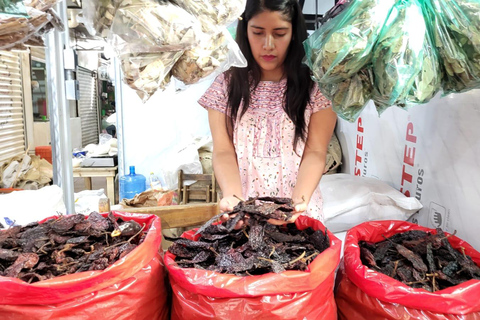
(200, 294)
(132, 288)
(365, 294)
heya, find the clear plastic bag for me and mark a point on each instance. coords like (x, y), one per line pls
(16, 31)
(14, 8)
(214, 14)
(457, 39)
(98, 16)
(147, 72)
(343, 45)
(398, 54)
(350, 96)
(214, 55)
(150, 26)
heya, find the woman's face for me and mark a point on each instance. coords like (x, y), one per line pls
(269, 35)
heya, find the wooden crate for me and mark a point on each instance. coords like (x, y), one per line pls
(181, 216)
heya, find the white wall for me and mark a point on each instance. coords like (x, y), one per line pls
(166, 123)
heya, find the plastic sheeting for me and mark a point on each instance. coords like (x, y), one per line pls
(429, 152)
(132, 288)
(200, 294)
(365, 294)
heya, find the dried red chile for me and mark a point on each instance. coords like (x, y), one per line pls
(420, 260)
(256, 249)
(66, 245)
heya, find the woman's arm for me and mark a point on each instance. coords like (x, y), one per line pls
(312, 166)
(224, 161)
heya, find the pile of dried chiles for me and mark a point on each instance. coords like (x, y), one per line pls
(258, 248)
(420, 259)
(69, 244)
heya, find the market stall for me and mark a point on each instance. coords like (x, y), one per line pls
(404, 80)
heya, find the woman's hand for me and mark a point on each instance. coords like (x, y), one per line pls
(226, 205)
(300, 208)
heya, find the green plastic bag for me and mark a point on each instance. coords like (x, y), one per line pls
(398, 54)
(471, 8)
(14, 8)
(457, 39)
(350, 96)
(343, 45)
(427, 83)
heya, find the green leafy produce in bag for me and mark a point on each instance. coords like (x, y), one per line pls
(427, 83)
(398, 54)
(457, 39)
(14, 8)
(471, 8)
(350, 96)
(343, 45)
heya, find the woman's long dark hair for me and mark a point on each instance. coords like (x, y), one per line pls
(241, 81)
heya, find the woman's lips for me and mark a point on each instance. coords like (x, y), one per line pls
(268, 57)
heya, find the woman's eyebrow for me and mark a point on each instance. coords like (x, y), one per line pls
(257, 27)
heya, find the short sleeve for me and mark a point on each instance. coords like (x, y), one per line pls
(318, 101)
(216, 95)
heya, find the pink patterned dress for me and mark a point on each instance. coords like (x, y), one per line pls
(263, 140)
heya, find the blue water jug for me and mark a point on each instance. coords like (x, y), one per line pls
(131, 184)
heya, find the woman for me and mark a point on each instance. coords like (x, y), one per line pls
(270, 123)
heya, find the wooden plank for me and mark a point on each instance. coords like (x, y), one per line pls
(94, 171)
(180, 216)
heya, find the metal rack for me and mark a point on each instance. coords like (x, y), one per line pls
(56, 45)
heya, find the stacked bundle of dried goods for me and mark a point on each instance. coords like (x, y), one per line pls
(256, 249)
(420, 259)
(66, 245)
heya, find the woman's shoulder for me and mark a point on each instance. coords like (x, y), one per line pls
(317, 100)
(215, 96)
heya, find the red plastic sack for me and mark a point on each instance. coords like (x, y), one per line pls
(365, 294)
(132, 288)
(200, 294)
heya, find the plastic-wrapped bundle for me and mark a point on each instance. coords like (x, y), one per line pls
(19, 32)
(457, 39)
(350, 96)
(213, 56)
(150, 26)
(14, 8)
(427, 82)
(147, 72)
(16, 31)
(398, 54)
(343, 46)
(99, 15)
(214, 14)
